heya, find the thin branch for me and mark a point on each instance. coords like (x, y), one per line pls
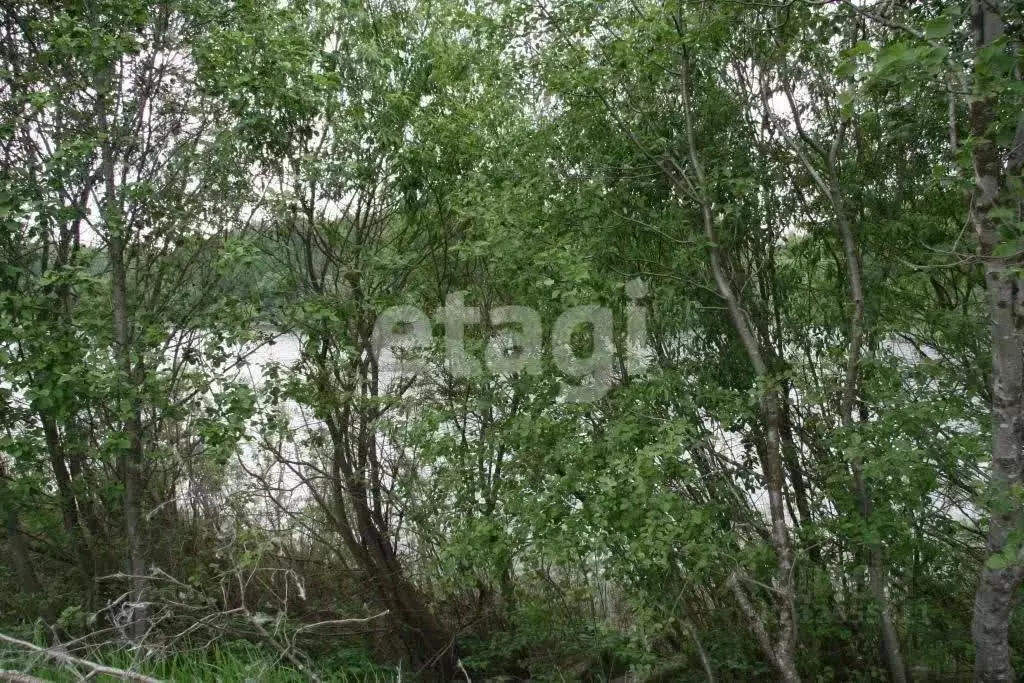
(339, 622)
(18, 677)
(70, 660)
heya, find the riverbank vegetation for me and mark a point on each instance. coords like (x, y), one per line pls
(811, 467)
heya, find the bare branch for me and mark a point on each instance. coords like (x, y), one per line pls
(70, 660)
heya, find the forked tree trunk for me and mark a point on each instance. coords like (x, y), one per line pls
(428, 644)
(355, 512)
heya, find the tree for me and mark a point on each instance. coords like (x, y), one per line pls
(998, 158)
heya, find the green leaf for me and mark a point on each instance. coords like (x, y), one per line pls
(890, 55)
(1006, 249)
(861, 49)
(997, 562)
(937, 28)
(846, 68)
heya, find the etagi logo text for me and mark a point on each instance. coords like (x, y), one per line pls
(517, 345)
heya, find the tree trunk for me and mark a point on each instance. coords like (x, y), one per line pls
(427, 643)
(877, 571)
(17, 553)
(996, 597)
(68, 502)
(18, 556)
(831, 189)
(429, 646)
(131, 458)
(783, 652)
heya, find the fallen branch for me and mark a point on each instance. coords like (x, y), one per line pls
(19, 677)
(285, 652)
(339, 622)
(71, 660)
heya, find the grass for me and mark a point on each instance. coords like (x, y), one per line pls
(238, 661)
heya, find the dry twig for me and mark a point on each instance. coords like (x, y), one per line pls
(71, 660)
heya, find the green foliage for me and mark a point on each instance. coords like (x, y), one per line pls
(269, 177)
(232, 661)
